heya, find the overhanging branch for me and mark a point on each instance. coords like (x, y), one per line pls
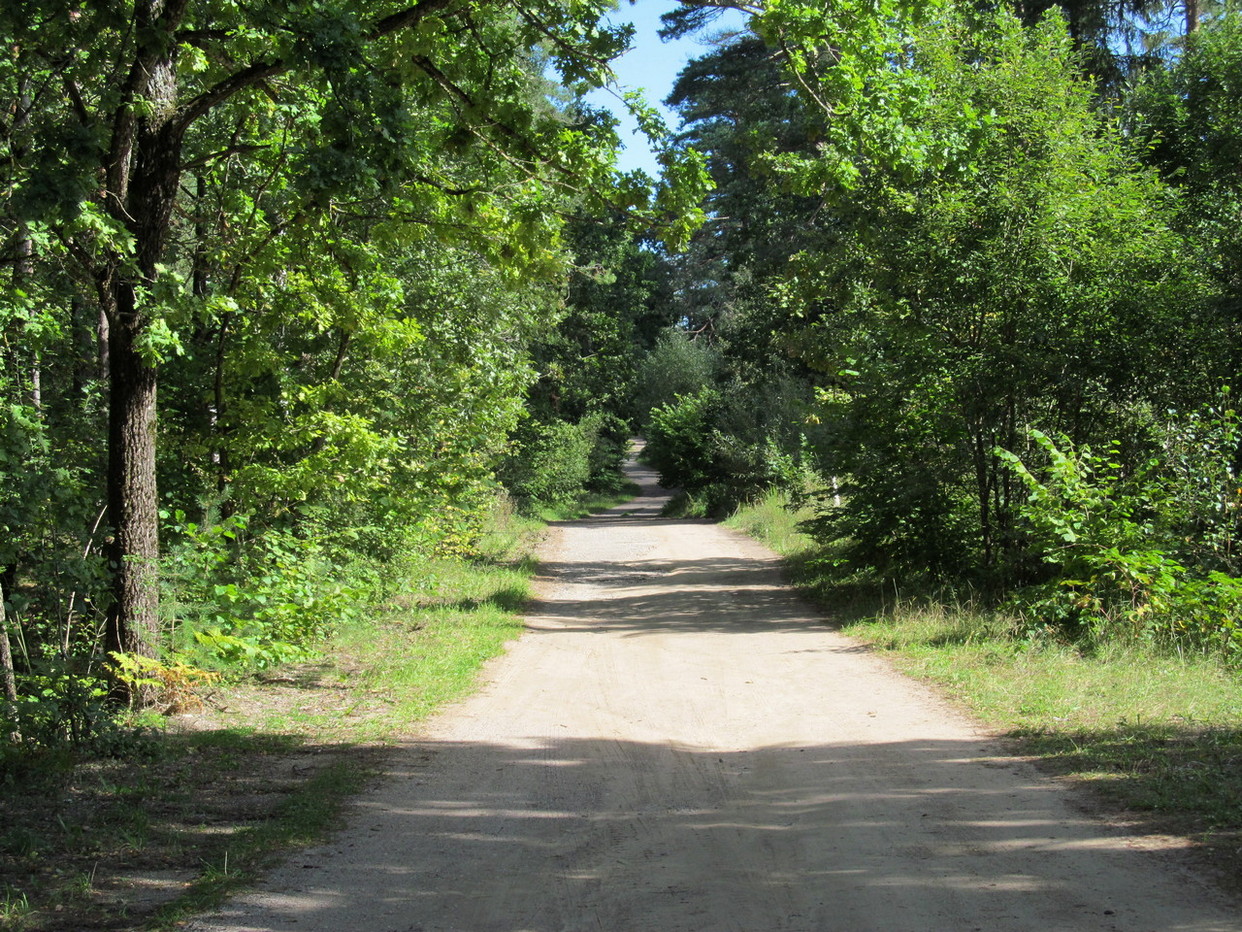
(262, 71)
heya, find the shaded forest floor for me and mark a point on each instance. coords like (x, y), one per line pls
(132, 842)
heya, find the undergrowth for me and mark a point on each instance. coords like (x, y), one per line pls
(588, 504)
(171, 817)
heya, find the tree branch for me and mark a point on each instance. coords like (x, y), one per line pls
(75, 98)
(455, 91)
(223, 154)
(262, 71)
(410, 16)
(249, 76)
(560, 43)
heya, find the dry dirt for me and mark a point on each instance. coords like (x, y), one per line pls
(679, 744)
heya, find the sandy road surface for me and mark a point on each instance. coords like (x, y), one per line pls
(678, 746)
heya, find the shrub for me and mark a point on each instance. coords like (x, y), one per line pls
(59, 705)
(550, 465)
(677, 365)
(1117, 538)
(610, 443)
(682, 441)
(553, 463)
(255, 601)
(715, 446)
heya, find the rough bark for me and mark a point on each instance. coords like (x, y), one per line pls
(143, 175)
(133, 621)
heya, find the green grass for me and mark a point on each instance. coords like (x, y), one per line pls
(775, 522)
(14, 908)
(426, 648)
(1150, 731)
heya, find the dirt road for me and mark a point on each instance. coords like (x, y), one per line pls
(678, 746)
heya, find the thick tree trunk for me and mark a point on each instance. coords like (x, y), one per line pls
(133, 620)
(143, 174)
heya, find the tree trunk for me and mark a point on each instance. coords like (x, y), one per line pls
(7, 673)
(23, 272)
(133, 619)
(199, 279)
(104, 331)
(983, 492)
(219, 452)
(144, 171)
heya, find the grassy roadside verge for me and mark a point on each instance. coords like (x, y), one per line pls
(191, 809)
(1155, 737)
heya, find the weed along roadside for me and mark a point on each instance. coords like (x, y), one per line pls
(166, 816)
(1154, 736)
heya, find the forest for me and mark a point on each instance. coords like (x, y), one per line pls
(298, 295)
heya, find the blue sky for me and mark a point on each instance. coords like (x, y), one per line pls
(653, 66)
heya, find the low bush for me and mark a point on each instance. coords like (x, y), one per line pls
(717, 446)
(1136, 552)
(553, 463)
(238, 601)
(679, 364)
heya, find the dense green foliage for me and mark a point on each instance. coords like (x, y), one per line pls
(281, 285)
(934, 235)
(294, 296)
(1034, 279)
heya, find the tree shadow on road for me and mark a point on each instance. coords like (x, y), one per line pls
(644, 597)
(592, 833)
